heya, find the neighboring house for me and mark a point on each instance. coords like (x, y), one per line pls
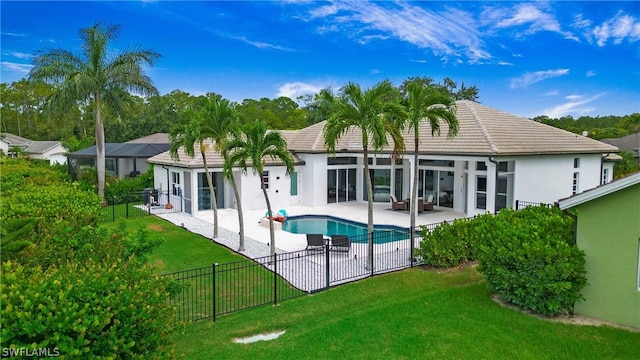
(496, 159)
(629, 143)
(121, 159)
(45, 150)
(608, 232)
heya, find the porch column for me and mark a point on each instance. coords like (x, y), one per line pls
(492, 173)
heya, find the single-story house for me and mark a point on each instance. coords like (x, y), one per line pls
(608, 232)
(630, 143)
(496, 159)
(121, 159)
(45, 150)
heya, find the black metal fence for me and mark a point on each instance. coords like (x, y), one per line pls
(520, 204)
(139, 203)
(223, 288)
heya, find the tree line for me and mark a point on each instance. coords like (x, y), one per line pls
(23, 112)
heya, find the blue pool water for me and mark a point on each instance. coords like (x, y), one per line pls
(329, 225)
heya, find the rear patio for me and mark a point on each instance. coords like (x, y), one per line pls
(354, 211)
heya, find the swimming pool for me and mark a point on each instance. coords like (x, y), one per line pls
(329, 225)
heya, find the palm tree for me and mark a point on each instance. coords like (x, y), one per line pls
(252, 146)
(187, 136)
(426, 103)
(222, 120)
(371, 112)
(96, 75)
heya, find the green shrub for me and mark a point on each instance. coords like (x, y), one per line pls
(77, 288)
(448, 245)
(528, 259)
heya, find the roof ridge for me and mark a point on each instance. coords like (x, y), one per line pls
(320, 135)
(485, 132)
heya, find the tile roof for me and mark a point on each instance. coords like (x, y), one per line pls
(214, 159)
(482, 131)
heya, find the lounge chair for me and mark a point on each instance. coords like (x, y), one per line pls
(428, 205)
(397, 205)
(340, 243)
(315, 242)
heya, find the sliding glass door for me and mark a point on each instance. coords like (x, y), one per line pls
(341, 185)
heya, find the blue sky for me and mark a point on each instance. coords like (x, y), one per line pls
(526, 58)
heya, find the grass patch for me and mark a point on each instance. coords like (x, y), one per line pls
(180, 249)
(412, 314)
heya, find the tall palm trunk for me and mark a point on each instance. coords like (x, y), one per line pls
(214, 202)
(100, 155)
(369, 265)
(414, 186)
(236, 193)
(272, 232)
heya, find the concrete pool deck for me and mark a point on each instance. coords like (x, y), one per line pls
(354, 211)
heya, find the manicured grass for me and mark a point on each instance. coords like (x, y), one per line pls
(412, 314)
(181, 249)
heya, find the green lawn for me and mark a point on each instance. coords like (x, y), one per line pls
(412, 314)
(181, 249)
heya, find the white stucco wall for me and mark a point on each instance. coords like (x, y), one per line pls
(278, 192)
(313, 176)
(548, 178)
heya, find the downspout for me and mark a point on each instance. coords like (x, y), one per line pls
(602, 168)
(495, 193)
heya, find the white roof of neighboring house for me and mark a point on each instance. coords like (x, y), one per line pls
(30, 146)
(14, 140)
(481, 131)
(599, 191)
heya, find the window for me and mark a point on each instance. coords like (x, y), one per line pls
(383, 161)
(576, 183)
(110, 165)
(481, 192)
(481, 166)
(342, 160)
(576, 163)
(265, 179)
(175, 184)
(442, 163)
(294, 183)
(605, 175)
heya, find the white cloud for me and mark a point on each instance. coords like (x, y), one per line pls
(19, 55)
(16, 67)
(531, 16)
(590, 73)
(575, 105)
(295, 89)
(505, 63)
(619, 28)
(451, 32)
(537, 76)
(551, 93)
(260, 45)
(420, 61)
(374, 72)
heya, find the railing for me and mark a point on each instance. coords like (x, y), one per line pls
(520, 204)
(218, 289)
(139, 203)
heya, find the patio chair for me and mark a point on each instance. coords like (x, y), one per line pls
(428, 205)
(315, 242)
(340, 243)
(397, 205)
